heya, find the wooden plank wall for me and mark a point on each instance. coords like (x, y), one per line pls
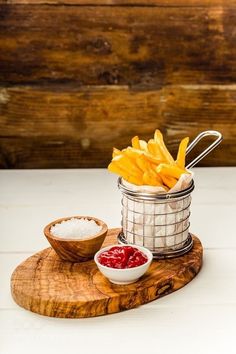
(78, 77)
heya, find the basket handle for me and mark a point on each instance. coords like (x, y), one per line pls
(208, 149)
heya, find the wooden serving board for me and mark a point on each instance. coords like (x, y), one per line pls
(49, 286)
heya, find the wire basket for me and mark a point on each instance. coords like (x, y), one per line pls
(159, 222)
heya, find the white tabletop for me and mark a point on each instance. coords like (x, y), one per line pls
(199, 318)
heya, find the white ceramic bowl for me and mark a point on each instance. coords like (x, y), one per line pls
(127, 275)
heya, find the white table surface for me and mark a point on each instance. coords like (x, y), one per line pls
(199, 318)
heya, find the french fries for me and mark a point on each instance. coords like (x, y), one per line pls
(182, 153)
(149, 163)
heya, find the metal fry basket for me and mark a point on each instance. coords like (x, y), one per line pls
(160, 222)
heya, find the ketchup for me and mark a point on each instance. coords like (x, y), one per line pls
(122, 257)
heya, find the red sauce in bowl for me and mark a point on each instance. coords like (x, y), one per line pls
(122, 257)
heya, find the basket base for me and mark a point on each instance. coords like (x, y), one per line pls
(187, 246)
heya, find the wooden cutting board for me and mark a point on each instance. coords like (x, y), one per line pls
(45, 284)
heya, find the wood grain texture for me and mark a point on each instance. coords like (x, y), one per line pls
(51, 127)
(46, 285)
(169, 64)
(164, 3)
(76, 250)
(137, 45)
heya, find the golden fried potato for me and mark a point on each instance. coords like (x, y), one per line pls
(115, 168)
(182, 152)
(143, 145)
(135, 142)
(170, 182)
(154, 150)
(116, 152)
(127, 164)
(170, 170)
(149, 163)
(158, 137)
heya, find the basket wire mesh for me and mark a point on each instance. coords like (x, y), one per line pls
(159, 222)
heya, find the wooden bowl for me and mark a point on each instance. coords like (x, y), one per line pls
(76, 250)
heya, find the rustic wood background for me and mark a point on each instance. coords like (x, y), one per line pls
(78, 77)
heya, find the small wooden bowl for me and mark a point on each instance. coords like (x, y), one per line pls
(76, 250)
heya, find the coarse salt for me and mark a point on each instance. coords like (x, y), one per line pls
(75, 228)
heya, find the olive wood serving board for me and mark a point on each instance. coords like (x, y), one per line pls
(45, 284)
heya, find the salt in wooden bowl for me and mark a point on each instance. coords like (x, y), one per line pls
(76, 250)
